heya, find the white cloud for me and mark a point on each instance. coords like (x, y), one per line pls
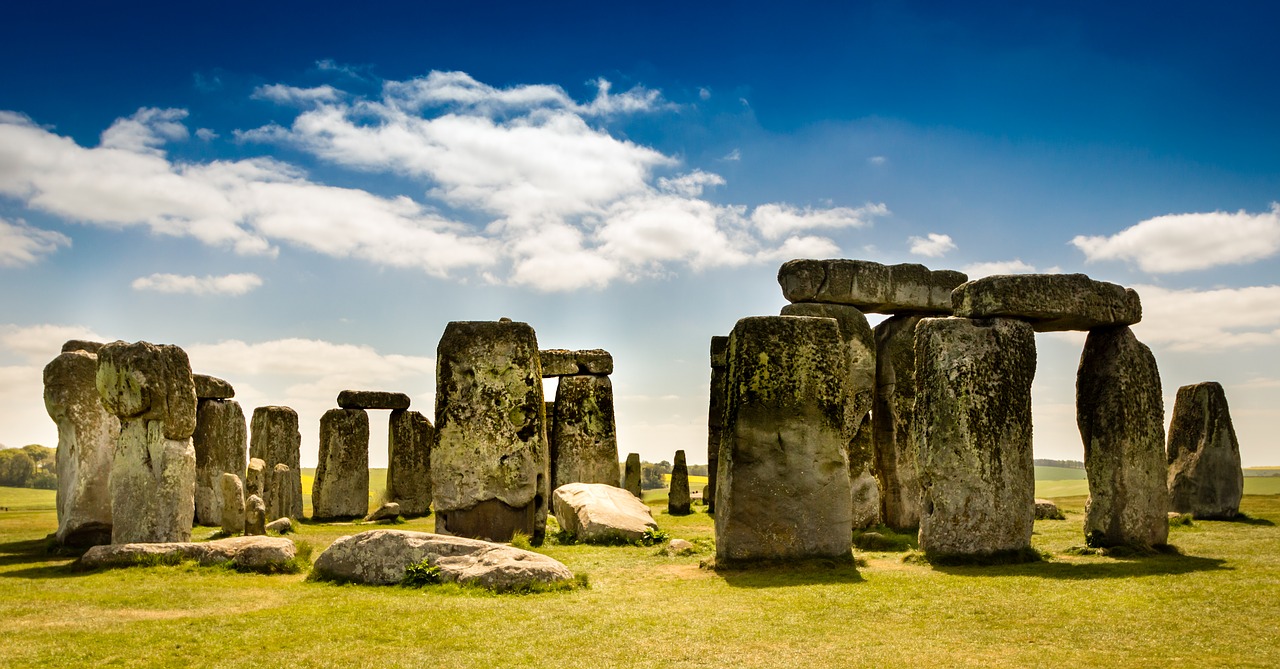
(877, 160)
(38, 344)
(776, 220)
(22, 244)
(291, 95)
(206, 135)
(1210, 320)
(981, 269)
(691, 184)
(733, 156)
(704, 93)
(230, 284)
(1182, 242)
(146, 130)
(934, 246)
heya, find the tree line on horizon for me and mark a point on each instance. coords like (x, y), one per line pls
(31, 466)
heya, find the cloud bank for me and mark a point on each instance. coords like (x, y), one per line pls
(1184, 242)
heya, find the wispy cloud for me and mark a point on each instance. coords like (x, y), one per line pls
(777, 220)
(733, 156)
(935, 245)
(291, 95)
(230, 284)
(877, 160)
(22, 244)
(1183, 242)
(981, 269)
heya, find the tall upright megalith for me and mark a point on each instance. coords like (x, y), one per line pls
(221, 441)
(972, 431)
(86, 445)
(341, 487)
(1205, 478)
(631, 475)
(782, 489)
(892, 409)
(274, 439)
(1120, 413)
(489, 463)
(410, 436)
(715, 415)
(585, 432)
(678, 498)
(153, 471)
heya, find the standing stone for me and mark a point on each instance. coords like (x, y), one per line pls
(409, 436)
(341, 487)
(862, 478)
(1120, 412)
(277, 500)
(221, 442)
(153, 471)
(275, 439)
(232, 504)
(585, 434)
(86, 444)
(255, 516)
(783, 484)
(715, 416)
(489, 464)
(892, 409)
(631, 475)
(255, 480)
(972, 430)
(678, 500)
(1205, 478)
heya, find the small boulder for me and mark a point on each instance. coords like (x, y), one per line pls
(280, 525)
(595, 512)
(387, 512)
(679, 547)
(1047, 510)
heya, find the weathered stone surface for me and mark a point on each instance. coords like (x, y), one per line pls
(972, 430)
(212, 388)
(715, 415)
(584, 435)
(232, 504)
(595, 512)
(862, 479)
(277, 499)
(389, 511)
(1050, 302)
(870, 286)
(255, 516)
(680, 547)
(221, 441)
(255, 481)
(280, 526)
(1205, 479)
(631, 475)
(259, 553)
(561, 362)
(373, 399)
(148, 382)
(82, 345)
(678, 499)
(380, 557)
(489, 464)
(1047, 510)
(859, 344)
(341, 487)
(274, 439)
(893, 406)
(782, 489)
(409, 436)
(86, 444)
(1120, 412)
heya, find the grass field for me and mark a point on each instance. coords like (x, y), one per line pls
(1214, 605)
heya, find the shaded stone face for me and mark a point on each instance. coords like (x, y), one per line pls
(1205, 478)
(678, 499)
(212, 388)
(410, 436)
(341, 488)
(86, 445)
(562, 362)
(274, 439)
(870, 286)
(715, 416)
(783, 488)
(1120, 412)
(255, 516)
(372, 399)
(584, 432)
(1050, 302)
(862, 478)
(972, 431)
(631, 475)
(491, 445)
(221, 442)
(893, 406)
(232, 504)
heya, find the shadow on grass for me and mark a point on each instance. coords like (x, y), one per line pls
(1245, 519)
(1113, 567)
(34, 552)
(785, 575)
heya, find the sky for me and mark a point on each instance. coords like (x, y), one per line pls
(302, 195)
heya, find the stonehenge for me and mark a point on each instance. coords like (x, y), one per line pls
(341, 487)
(631, 475)
(678, 500)
(1204, 479)
(409, 439)
(274, 439)
(715, 415)
(583, 439)
(221, 442)
(86, 445)
(232, 504)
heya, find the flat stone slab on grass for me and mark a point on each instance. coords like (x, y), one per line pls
(380, 557)
(562, 362)
(256, 553)
(870, 286)
(372, 399)
(1050, 302)
(597, 512)
(212, 388)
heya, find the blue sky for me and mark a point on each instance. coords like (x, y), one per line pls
(303, 194)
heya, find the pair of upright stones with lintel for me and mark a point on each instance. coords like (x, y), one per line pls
(581, 428)
(341, 488)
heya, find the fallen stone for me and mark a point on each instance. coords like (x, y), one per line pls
(631, 475)
(253, 553)
(870, 286)
(1050, 302)
(599, 513)
(972, 429)
(1120, 412)
(212, 388)
(274, 439)
(91, 347)
(584, 433)
(380, 557)
(387, 512)
(1205, 478)
(341, 487)
(372, 399)
(255, 481)
(232, 504)
(715, 416)
(678, 498)
(280, 525)
(87, 436)
(255, 516)
(893, 407)
(409, 437)
(783, 489)
(679, 547)
(561, 362)
(221, 442)
(1046, 509)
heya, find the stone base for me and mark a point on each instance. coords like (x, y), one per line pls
(491, 520)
